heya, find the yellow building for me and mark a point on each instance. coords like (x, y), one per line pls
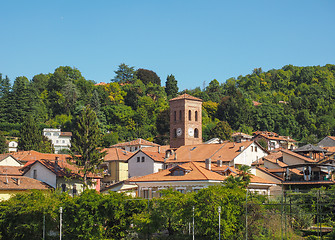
(115, 165)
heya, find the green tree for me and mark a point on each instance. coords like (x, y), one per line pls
(125, 74)
(148, 76)
(31, 137)
(222, 130)
(171, 86)
(85, 143)
(3, 143)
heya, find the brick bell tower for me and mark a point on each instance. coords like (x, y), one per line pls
(185, 121)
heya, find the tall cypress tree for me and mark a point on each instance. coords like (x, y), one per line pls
(85, 143)
(171, 87)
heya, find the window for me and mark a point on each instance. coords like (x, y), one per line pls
(138, 159)
(196, 133)
(142, 159)
(56, 134)
(252, 148)
(146, 193)
(180, 115)
(178, 172)
(175, 115)
(56, 141)
(181, 190)
(153, 194)
(47, 134)
(189, 115)
(196, 116)
(74, 189)
(35, 174)
(255, 149)
(63, 187)
(175, 133)
(63, 141)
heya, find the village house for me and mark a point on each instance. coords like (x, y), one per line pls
(274, 141)
(11, 179)
(60, 174)
(145, 162)
(60, 140)
(115, 165)
(192, 177)
(230, 153)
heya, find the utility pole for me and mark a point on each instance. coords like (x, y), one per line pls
(219, 209)
(193, 222)
(60, 222)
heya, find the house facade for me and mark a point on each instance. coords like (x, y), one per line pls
(115, 165)
(145, 162)
(60, 140)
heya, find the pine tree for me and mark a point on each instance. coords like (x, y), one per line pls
(85, 143)
(171, 87)
(3, 144)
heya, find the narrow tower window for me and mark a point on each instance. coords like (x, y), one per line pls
(196, 116)
(175, 115)
(196, 133)
(180, 115)
(189, 115)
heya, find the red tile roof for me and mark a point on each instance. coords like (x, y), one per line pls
(185, 96)
(197, 172)
(32, 155)
(67, 134)
(117, 154)
(136, 142)
(157, 157)
(61, 168)
(297, 155)
(226, 152)
(10, 170)
(21, 183)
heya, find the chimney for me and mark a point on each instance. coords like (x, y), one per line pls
(219, 163)
(167, 153)
(208, 163)
(241, 148)
(18, 181)
(159, 149)
(175, 156)
(56, 164)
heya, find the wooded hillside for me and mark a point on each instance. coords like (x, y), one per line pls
(295, 101)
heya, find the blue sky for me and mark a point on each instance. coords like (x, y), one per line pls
(197, 41)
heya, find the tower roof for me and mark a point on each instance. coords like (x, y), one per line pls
(186, 96)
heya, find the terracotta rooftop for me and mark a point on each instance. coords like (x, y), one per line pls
(157, 157)
(100, 84)
(158, 148)
(136, 142)
(226, 152)
(117, 154)
(273, 136)
(297, 155)
(10, 170)
(32, 155)
(67, 134)
(21, 183)
(196, 172)
(185, 96)
(256, 103)
(61, 168)
(308, 182)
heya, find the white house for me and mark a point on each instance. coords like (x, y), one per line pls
(229, 153)
(7, 159)
(60, 140)
(12, 146)
(145, 162)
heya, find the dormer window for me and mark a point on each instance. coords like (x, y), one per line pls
(178, 172)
